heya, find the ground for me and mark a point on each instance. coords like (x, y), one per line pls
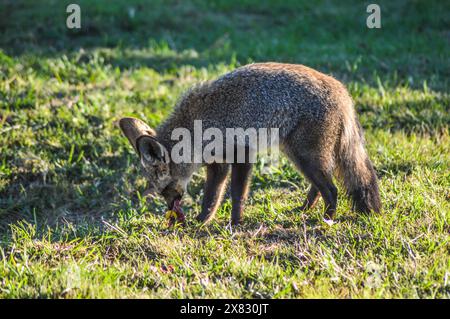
(73, 223)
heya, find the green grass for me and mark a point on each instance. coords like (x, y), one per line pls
(73, 223)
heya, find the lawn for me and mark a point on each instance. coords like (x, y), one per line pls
(74, 223)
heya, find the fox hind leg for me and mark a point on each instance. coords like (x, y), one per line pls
(322, 180)
(311, 199)
(319, 174)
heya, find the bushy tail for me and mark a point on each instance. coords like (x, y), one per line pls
(356, 169)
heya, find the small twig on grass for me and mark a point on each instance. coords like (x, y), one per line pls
(116, 228)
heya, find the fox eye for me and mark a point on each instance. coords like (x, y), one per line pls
(162, 173)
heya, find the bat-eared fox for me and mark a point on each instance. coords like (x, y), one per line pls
(317, 126)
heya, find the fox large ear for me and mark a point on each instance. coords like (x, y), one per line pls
(144, 141)
(151, 151)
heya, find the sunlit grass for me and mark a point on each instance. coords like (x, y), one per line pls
(73, 223)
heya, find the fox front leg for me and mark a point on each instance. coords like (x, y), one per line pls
(240, 181)
(216, 176)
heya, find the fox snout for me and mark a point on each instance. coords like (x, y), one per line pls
(172, 193)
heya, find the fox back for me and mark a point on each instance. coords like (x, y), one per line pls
(262, 95)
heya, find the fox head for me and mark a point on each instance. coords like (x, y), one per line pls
(155, 160)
